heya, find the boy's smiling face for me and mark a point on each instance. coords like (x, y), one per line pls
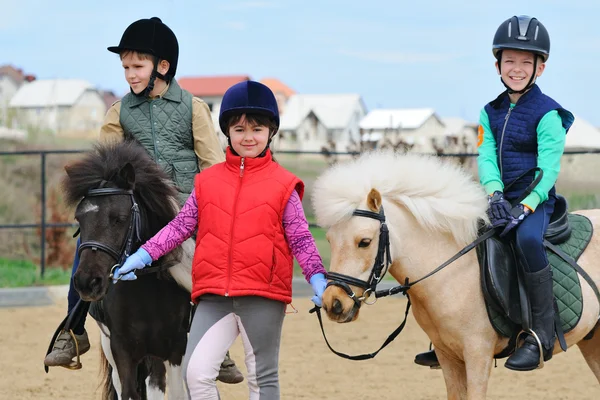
(516, 68)
(137, 70)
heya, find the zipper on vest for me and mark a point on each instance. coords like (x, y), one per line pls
(502, 139)
(237, 194)
(153, 132)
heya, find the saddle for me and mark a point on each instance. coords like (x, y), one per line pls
(566, 238)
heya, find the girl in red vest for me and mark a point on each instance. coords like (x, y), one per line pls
(250, 221)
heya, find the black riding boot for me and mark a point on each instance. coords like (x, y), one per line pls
(427, 359)
(541, 297)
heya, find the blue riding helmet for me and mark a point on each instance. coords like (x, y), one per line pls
(248, 97)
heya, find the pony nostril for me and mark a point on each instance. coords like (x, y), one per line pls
(95, 283)
(337, 307)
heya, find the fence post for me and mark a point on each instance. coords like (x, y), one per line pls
(43, 222)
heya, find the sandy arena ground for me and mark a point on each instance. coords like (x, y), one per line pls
(308, 369)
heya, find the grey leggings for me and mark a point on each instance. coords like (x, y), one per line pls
(217, 322)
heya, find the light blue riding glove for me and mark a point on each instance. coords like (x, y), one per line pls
(137, 260)
(318, 283)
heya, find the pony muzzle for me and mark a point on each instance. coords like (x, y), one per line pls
(90, 288)
(339, 306)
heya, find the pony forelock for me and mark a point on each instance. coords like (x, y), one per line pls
(440, 195)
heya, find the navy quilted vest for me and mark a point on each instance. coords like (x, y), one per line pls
(515, 131)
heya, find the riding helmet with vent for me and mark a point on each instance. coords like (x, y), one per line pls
(522, 33)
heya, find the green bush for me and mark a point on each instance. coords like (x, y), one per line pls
(19, 273)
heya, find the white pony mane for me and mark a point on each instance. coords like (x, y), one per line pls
(441, 195)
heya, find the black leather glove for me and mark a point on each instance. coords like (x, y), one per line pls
(499, 209)
(517, 215)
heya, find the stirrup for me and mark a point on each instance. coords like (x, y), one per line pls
(74, 364)
(537, 341)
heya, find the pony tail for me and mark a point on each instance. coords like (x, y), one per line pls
(108, 390)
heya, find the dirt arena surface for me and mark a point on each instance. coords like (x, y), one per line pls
(308, 370)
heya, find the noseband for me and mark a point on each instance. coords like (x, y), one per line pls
(133, 232)
(380, 267)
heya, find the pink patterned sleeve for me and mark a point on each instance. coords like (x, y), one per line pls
(175, 232)
(300, 239)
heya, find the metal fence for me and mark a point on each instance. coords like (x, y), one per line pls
(44, 225)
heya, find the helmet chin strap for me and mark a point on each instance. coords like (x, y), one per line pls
(155, 74)
(529, 84)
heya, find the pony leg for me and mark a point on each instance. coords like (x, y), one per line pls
(175, 382)
(591, 352)
(105, 343)
(156, 380)
(455, 375)
(127, 370)
(478, 369)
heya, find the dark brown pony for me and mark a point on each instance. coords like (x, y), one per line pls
(122, 199)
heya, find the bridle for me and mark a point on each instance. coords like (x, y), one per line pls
(133, 232)
(380, 267)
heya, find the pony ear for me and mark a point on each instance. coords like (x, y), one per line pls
(68, 169)
(127, 174)
(374, 200)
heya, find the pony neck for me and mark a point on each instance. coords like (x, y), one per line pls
(416, 251)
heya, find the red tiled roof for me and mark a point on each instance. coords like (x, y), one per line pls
(204, 86)
(15, 73)
(109, 98)
(278, 87)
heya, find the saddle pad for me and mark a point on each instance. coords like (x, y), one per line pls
(567, 288)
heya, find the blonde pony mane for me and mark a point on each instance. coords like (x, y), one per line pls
(442, 196)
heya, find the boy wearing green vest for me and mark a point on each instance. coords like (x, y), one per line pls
(173, 126)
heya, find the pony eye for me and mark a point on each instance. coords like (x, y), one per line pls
(364, 243)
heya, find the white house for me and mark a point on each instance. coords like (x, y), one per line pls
(312, 122)
(418, 129)
(460, 136)
(11, 79)
(63, 106)
(582, 136)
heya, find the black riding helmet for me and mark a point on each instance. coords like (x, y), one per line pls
(151, 36)
(522, 33)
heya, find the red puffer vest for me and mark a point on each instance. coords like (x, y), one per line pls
(241, 248)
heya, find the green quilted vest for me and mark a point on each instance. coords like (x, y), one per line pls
(164, 127)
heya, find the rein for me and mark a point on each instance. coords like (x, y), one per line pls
(342, 280)
(381, 265)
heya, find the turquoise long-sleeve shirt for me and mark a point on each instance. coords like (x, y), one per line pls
(551, 136)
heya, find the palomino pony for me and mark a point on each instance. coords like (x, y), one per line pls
(123, 198)
(432, 210)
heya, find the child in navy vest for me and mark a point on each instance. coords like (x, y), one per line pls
(520, 130)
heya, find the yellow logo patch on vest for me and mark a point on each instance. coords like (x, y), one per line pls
(479, 135)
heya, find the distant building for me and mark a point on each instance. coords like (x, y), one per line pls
(109, 98)
(281, 91)
(419, 129)
(312, 122)
(63, 106)
(11, 79)
(460, 136)
(582, 136)
(211, 88)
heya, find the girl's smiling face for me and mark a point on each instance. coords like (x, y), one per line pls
(247, 139)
